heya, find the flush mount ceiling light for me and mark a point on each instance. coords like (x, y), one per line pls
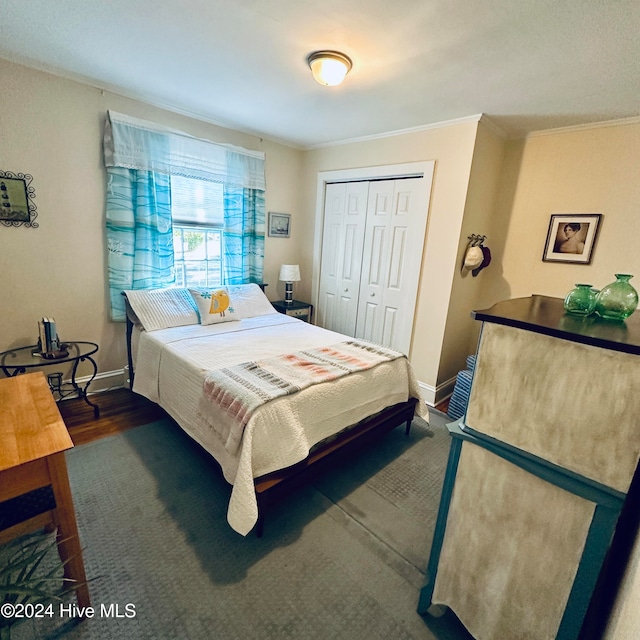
(329, 67)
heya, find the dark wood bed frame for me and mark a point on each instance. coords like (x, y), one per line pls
(274, 486)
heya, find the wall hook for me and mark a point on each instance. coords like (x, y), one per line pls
(476, 240)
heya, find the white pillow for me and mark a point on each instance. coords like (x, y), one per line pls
(249, 300)
(163, 308)
(214, 305)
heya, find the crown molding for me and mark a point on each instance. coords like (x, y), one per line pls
(493, 127)
(399, 132)
(621, 122)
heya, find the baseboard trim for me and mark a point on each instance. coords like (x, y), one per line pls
(435, 395)
(105, 381)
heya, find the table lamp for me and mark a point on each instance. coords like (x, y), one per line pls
(289, 273)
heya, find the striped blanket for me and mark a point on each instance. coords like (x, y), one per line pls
(241, 389)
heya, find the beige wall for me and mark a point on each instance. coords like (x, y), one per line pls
(451, 148)
(51, 128)
(481, 217)
(587, 171)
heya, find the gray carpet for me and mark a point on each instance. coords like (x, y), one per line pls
(342, 558)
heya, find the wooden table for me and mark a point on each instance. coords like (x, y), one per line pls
(33, 438)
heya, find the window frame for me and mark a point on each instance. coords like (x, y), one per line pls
(181, 265)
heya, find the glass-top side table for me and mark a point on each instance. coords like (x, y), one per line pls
(16, 361)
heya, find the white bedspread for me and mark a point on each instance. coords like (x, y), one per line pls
(170, 368)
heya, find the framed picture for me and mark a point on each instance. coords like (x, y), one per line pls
(572, 237)
(16, 195)
(279, 224)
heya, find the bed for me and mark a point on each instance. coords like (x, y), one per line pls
(204, 356)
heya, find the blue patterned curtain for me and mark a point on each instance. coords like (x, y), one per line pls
(243, 235)
(139, 233)
(140, 158)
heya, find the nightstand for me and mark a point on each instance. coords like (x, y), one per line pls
(16, 361)
(297, 309)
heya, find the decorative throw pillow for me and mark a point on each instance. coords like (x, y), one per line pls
(214, 305)
(249, 300)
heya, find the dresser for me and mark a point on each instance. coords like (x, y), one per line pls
(538, 472)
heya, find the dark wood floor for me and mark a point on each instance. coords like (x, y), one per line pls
(120, 409)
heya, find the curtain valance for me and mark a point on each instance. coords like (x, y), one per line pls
(132, 143)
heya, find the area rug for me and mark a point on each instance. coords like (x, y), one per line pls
(341, 558)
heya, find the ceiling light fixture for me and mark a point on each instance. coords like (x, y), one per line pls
(329, 67)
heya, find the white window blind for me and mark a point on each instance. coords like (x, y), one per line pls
(196, 202)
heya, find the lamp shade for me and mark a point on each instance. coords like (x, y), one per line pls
(289, 273)
(329, 67)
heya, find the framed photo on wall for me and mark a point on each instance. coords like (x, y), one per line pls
(279, 224)
(16, 200)
(572, 237)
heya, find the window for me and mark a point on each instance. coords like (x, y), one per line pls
(198, 218)
(197, 256)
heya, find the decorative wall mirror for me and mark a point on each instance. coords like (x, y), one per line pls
(16, 200)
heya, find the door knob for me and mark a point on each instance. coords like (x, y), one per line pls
(373, 295)
(346, 290)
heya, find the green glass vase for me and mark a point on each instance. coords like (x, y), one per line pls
(580, 301)
(618, 300)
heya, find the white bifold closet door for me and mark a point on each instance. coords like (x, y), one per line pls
(345, 216)
(372, 247)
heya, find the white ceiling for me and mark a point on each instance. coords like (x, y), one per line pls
(527, 64)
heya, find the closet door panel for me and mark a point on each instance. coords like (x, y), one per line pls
(389, 325)
(368, 325)
(374, 257)
(342, 240)
(344, 316)
(401, 255)
(352, 255)
(410, 224)
(328, 305)
(330, 272)
(396, 261)
(374, 261)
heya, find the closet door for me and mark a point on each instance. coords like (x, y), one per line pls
(345, 211)
(392, 256)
